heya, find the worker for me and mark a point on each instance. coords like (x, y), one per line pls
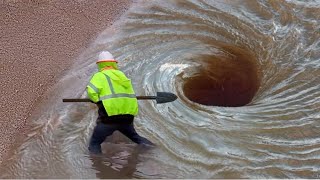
(114, 95)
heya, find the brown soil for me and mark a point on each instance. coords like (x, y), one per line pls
(39, 41)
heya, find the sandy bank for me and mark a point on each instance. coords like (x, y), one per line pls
(38, 41)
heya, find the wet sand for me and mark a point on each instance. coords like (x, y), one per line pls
(39, 41)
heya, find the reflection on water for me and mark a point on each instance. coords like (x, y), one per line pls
(255, 63)
(117, 164)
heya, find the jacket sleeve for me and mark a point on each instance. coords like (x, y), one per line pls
(93, 89)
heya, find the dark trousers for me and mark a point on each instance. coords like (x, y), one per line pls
(103, 130)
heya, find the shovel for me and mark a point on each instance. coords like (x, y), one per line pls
(162, 97)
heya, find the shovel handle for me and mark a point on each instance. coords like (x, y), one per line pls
(162, 97)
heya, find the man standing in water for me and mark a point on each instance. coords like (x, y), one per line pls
(113, 92)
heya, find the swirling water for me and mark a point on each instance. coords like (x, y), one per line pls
(247, 76)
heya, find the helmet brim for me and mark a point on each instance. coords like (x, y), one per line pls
(107, 60)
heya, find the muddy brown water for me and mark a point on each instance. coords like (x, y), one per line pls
(229, 79)
(247, 76)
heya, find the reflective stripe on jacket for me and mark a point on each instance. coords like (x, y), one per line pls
(115, 90)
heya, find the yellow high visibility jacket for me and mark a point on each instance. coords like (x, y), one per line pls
(115, 90)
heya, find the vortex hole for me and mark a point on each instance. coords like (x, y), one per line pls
(221, 81)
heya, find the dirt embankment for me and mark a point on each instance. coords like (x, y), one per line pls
(38, 41)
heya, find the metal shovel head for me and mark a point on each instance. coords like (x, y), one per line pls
(164, 97)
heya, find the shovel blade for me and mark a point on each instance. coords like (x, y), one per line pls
(164, 97)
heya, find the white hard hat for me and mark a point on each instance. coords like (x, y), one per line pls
(106, 56)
